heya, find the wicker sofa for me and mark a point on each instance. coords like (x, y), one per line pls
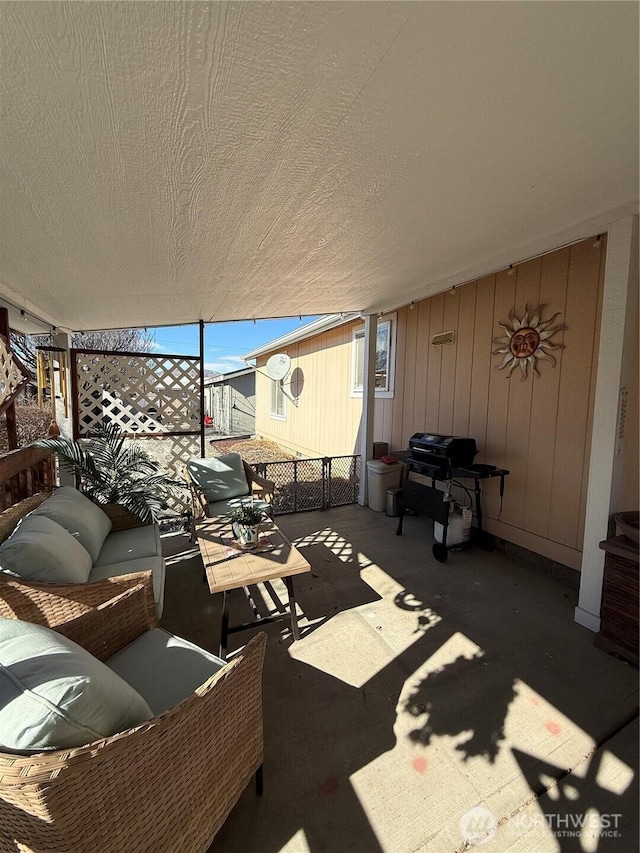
(119, 543)
(166, 785)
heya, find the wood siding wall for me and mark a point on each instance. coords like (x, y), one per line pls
(326, 421)
(540, 428)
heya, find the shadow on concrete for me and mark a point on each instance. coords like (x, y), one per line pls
(320, 731)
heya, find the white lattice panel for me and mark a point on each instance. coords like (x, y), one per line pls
(173, 452)
(11, 377)
(140, 393)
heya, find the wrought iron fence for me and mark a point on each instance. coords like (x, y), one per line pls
(307, 484)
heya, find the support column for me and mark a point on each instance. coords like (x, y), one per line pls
(368, 403)
(617, 329)
(65, 424)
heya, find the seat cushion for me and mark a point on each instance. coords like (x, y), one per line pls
(124, 545)
(142, 564)
(55, 695)
(163, 668)
(39, 549)
(79, 516)
(221, 477)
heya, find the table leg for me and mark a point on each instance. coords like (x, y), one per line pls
(292, 607)
(224, 628)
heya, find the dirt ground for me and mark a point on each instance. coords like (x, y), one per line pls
(251, 449)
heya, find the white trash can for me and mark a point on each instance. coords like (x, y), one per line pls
(381, 477)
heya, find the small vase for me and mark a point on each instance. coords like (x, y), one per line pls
(245, 534)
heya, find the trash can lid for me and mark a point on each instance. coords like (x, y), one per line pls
(381, 467)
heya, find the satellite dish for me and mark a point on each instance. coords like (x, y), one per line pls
(278, 366)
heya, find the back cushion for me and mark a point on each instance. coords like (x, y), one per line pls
(221, 477)
(41, 550)
(56, 695)
(79, 516)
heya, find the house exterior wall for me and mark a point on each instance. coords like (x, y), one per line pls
(326, 420)
(539, 428)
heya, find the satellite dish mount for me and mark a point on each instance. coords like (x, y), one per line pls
(278, 368)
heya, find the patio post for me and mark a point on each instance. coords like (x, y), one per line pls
(65, 424)
(368, 403)
(609, 482)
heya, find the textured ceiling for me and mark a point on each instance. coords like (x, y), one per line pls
(174, 161)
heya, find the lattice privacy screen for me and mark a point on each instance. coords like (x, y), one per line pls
(12, 379)
(141, 393)
(155, 399)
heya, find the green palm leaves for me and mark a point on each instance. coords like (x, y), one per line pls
(113, 471)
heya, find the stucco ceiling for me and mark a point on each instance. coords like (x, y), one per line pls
(173, 161)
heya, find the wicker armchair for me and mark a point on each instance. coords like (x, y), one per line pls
(165, 786)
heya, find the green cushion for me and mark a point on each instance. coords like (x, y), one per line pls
(55, 695)
(163, 668)
(79, 516)
(130, 544)
(39, 549)
(220, 477)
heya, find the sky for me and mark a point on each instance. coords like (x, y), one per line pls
(224, 343)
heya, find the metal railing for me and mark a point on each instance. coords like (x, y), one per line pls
(303, 485)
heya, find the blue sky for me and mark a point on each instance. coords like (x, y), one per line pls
(225, 343)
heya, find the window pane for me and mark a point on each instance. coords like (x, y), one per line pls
(359, 362)
(277, 399)
(382, 356)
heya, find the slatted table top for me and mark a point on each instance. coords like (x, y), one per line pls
(228, 568)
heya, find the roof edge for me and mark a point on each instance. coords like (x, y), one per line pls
(322, 324)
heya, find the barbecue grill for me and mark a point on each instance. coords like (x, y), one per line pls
(444, 458)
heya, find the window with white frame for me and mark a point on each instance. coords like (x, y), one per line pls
(277, 402)
(385, 357)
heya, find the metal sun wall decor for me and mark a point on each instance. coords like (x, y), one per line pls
(527, 340)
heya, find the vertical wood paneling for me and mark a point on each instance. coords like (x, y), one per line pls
(423, 310)
(432, 411)
(592, 395)
(519, 408)
(464, 338)
(573, 404)
(544, 403)
(448, 357)
(481, 364)
(539, 428)
(409, 378)
(398, 436)
(499, 385)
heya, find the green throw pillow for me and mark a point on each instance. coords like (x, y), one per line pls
(79, 516)
(55, 695)
(41, 550)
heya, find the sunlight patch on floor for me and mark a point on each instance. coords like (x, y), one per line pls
(297, 844)
(613, 774)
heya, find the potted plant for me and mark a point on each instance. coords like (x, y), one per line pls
(114, 472)
(245, 523)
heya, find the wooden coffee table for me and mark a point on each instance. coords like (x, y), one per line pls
(228, 568)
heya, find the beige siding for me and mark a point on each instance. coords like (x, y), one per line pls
(327, 419)
(538, 428)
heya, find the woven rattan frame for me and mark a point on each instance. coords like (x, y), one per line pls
(166, 786)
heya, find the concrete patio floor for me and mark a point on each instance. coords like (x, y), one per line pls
(428, 707)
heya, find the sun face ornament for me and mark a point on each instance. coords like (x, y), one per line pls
(527, 340)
